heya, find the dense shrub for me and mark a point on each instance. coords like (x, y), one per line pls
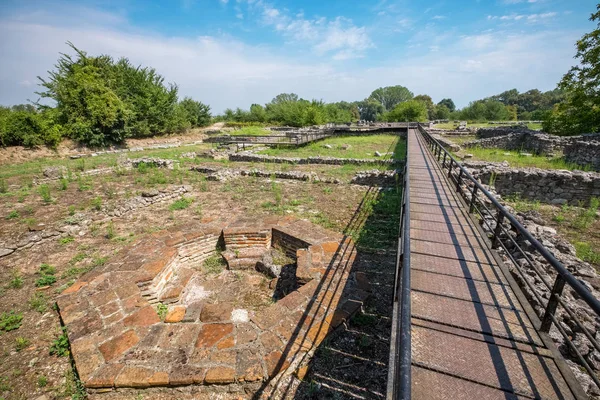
(98, 102)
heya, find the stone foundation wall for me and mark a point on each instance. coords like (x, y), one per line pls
(377, 178)
(584, 153)
(249, 157)
(447, 144)
(555, 187)
(537, 143)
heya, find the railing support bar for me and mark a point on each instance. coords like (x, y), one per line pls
(559, 285)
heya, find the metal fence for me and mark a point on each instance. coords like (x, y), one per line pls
(506, 232)
(399, 372)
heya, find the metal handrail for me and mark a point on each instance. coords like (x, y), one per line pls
(577, 286)
(400, 370)
(563, 275)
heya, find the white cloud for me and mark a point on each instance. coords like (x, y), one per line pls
(225, 72)
(438, 17)
(337, 37)
(527, 17)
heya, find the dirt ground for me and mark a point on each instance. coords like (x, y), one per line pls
(349, 365)
(17, 154)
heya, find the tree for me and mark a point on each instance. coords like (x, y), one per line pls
(441, 112)
(257, 113)
(448, 103)
(580, 111)
(389, 96)
(369, 110)
(196, 113)
(425, 99)
(285, 98)
(408, 111)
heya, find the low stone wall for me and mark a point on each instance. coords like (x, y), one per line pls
(484, 133)
(548, 186)
(81, 222)
(376, 178)
(584, 153)
(447, 144)
(366, 178)
(532, 141)
(582, 150)
(250, 157)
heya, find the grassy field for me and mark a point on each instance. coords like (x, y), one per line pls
(360, 147)
(251, 131)
(27, 169)
(515, 159)
(453, 125)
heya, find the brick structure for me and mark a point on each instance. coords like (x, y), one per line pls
(118, 340)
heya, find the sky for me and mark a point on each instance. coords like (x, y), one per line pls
(232, 53)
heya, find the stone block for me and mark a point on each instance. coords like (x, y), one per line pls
(216, 312)
(210, 334)
(117, 346)
(220, 375)
(144, 317)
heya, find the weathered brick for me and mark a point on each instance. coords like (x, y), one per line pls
(249, 366)
(220, 375)
(144, 317)
(159, 379)
(275, 362)
(105, 376)
(103, 297)
(226, 343)
(210, 334)
(186, 375)
(270, 341)
(175, 314)
(216, 312)
(293, 300)
(135, 377)
(270, 316)
(118, 345)
(245, 334)
(224, 357)
(75, 287)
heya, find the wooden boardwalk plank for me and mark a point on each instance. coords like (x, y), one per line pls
(470, 335)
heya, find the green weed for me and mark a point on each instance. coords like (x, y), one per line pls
(21, 343)
(16, 282)
(97, 203)
(44, 191)
(60, 346)
(181, 204)
(42, 381)
(38, 302)
(161, 310)
(10, 321)
(13, 214)
(214, 264)
(66, 240)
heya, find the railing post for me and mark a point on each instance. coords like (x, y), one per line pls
(559, 285)
(473, 197)
(450, 167)
(459, 180)
(444, 160)
(497, 230)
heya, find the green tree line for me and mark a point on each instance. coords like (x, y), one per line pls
(99, 101)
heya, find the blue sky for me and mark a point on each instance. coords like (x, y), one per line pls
(231, 53)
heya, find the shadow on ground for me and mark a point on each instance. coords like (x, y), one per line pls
(352, 361)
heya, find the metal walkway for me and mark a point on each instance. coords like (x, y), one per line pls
(471, 335)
